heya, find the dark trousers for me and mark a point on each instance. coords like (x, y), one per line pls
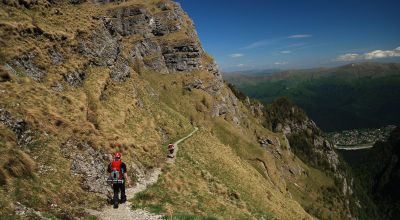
(117, 187)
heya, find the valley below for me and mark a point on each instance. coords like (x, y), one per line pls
(358, 139)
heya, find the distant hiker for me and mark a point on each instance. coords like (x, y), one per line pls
(171, 149)
(119, 175)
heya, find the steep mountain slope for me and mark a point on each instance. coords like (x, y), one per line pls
(80, 80)
(378, 172)
(358, 95)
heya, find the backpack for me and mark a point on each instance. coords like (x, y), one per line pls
(116, 172)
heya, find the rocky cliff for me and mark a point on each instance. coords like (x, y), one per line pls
(80, 80)
(308, 142)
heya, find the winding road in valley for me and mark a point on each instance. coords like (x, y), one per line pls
(124, 211)
(355, 147)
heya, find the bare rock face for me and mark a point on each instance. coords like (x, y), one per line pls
(174, 18)
(89, 164)
(132, 20)
(24, 135)
(56, 56)
(75, 79)
(28, 67)
(102, 46)
(57, 86)
(182, 57)
(120, 71)
(196, 84)
(148, 53)
(214, 70)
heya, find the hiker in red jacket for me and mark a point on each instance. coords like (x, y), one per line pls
(119, 175)
(171, 149)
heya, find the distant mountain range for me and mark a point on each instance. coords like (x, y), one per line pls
(359, 95)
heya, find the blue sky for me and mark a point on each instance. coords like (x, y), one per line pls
(283, 34)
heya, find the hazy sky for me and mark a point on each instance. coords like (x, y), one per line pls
(263, 34)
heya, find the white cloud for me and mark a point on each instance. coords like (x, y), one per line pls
(348, 57)
(376, 54)
(262, 43)
(256, 44)
(240, 65)
(286, 51)
(236, 55)
(382, 54)
(281, 63)
(299, 36)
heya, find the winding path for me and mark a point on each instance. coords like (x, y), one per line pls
(124, 211)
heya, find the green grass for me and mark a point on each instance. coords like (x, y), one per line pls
(182, 216)
(90, 217)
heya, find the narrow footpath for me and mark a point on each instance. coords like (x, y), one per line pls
(124, 211)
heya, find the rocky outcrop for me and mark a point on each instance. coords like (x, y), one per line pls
(264, 141)
(138, 20)
(307, 142)
(132, 20)
(173, 16)
(75, 79)
(182, 57)
(102, 46)
(120, 70)
(148, 53)
(87, 163)
(25, 136)
(196, 84)
(26, 64)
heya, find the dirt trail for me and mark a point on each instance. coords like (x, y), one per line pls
(124, 211)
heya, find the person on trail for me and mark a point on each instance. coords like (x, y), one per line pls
(171, 149)
(119, 175)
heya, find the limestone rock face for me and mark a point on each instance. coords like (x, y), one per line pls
(182, 57)
(102, 46)
(196, 84)
(120, 69)
(89, 164)
(174, 24)
(26, 63)
(149, 54)
(132, 20)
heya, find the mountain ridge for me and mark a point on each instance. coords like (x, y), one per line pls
(81, 80)
(352, 96)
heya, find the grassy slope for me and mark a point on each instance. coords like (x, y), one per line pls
(215, 173)
(219, 162)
